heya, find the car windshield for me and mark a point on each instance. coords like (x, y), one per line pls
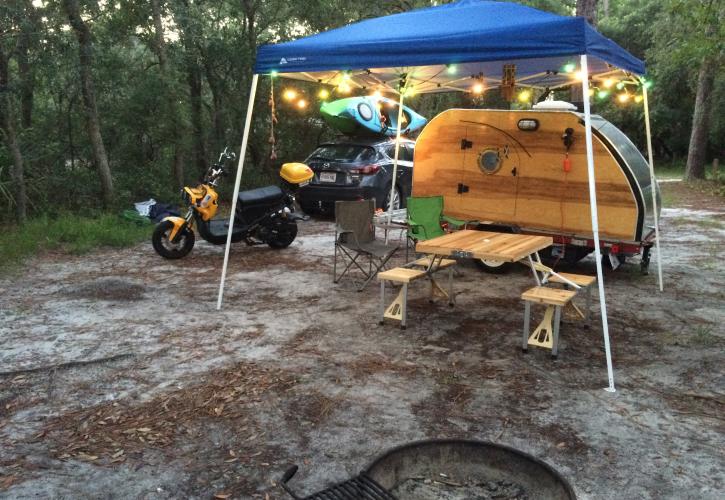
(345, 153)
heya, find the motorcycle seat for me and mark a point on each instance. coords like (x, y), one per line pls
(261, 196)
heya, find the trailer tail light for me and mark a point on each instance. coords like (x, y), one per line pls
(366, 170)
(614, 249)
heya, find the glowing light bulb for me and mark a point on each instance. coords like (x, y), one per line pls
(324, 94)
(579, 75)
(378, 94)
(620, 85)
(452, 69)
(290, 94)
(524, 96)
(345, 76)
(569, 68)
(608, 83)
(273, 73)
(302, 104)
(590, 92)
(638, 99)
(478, 88)
(344, 88)
(624, 97)
(647, 84)
(602, 94)
(409, 92)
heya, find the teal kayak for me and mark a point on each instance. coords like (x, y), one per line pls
(369, 115)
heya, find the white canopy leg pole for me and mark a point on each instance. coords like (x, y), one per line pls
(238, 180)
(395, 161)
(595, 218)
(654, 187)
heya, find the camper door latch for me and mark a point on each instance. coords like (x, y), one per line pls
(513, 171)
(466, 144)
(462, 188)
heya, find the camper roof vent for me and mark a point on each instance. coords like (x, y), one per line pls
(555, 105)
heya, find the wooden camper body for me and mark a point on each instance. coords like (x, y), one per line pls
(509, 167)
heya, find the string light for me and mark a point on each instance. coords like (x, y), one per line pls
(620, 85)
(344, 88)
(638, 99)
(478, 88)
(451, 69)
(273, 73)
(590, 92)
(302, 104)
(579, 75)
(602, 94)
(569, 68)
(524, 96)
(409, 92)
(623, 97)
(345, 76)
(647, 84)
(324, 94)
(609, 83)
(377, 94)
(290, 94)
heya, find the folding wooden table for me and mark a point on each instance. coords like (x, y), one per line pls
(474, 244)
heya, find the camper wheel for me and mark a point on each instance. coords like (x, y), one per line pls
(493, 266)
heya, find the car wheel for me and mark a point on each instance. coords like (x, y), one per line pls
(397, 199)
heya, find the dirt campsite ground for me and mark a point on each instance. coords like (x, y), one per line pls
(121, 380)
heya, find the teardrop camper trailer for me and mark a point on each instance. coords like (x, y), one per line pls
(527, 171)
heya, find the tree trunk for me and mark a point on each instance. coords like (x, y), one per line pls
(194, 80)
(587, 9)
(697, 152)
(28, 26)
(85, 52)
(8, 130)
(177, 167)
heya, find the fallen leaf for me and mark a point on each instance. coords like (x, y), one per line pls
(221, 495)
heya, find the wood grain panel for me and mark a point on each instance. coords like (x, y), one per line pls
(542, 195)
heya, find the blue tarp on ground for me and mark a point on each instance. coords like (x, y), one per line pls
(467, 31)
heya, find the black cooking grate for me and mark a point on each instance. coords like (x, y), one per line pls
(362, 487)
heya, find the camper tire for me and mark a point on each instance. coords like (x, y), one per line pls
(493, 266)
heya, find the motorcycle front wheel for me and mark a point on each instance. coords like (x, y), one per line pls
(282, 234)
(168, 249)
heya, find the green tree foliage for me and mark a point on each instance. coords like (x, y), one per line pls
(167, 105)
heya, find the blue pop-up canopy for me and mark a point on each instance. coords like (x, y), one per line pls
(465, 46)
(473, 36)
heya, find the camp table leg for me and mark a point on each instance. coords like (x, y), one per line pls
(382, 302)
(404, 312)
(451, 300)
(533, 270)
(589, 306)
(527, 317)
(557, 322)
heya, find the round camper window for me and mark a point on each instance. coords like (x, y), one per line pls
(366, 112)
(489, 161)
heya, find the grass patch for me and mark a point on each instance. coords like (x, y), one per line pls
(671, 170)
(69, 233)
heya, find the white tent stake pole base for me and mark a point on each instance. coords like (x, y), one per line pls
(237, 181)
(595, 219)
(654, 187)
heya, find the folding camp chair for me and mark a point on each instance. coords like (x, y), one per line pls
(355, 238)
(425, 215)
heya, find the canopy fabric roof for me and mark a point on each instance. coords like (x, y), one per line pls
(450, 47)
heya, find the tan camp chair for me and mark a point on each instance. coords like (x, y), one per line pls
(355, 238)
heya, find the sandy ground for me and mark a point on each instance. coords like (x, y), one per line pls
(121, 380)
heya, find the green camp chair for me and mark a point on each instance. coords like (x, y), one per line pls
(425, 215)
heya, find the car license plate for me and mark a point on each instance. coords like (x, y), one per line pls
(328, 176)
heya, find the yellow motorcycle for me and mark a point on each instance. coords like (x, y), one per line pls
(263, 216)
